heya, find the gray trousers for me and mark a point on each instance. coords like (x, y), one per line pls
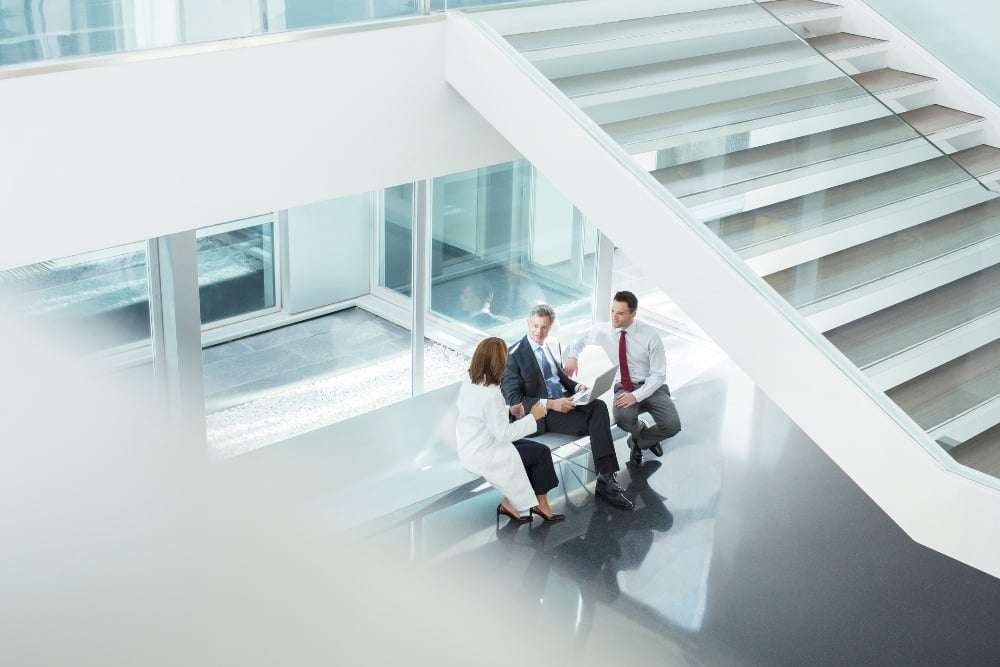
(660, 406)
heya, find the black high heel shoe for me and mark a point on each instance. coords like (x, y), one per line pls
(551, 518)
(516, 518)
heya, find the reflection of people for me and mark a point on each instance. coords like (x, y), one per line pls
(476, 302)
(592, 554)
(491, 446)
(642, 375)
(534, 376)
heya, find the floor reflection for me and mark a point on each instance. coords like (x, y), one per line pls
(747, 546)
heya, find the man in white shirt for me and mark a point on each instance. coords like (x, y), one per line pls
(642, 373)
(535, 375)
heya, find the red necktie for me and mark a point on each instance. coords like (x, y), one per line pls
(623, 364)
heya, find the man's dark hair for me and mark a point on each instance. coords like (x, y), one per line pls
(628, 299)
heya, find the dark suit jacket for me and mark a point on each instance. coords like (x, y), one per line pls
(523, 382)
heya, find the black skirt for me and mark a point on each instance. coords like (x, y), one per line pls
(538, 464)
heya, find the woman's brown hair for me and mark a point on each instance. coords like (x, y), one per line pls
(488, 362)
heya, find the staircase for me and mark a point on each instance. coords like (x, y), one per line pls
(866, 205)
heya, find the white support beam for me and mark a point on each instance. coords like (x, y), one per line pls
(419, 281)
(175, 320)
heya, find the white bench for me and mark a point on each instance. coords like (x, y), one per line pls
(393, 458)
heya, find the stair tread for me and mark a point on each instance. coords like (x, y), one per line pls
(812, 211)
(790, 9)
(763, 106)
(849, 269)
(935, 118)
(888, 79)
(832, 45)
(652, 25)
(948, 391)
(884, 334)
(679, 70)
(981, 453)
(668, 24)
(748, 165)
(979, 160)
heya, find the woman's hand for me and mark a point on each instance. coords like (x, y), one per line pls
(538, 411)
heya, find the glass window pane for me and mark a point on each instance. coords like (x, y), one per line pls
(103, 297)
(395, 239)
(311, 13)
(503, 240)
(236, 269)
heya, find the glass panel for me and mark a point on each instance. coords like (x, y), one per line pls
(396, 238)
(39, 29)
(439, 5)
(504, 240)
(312, 13)
(102, 297)
(36, 30)
(236, 269)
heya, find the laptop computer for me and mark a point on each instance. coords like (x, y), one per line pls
(601, 386)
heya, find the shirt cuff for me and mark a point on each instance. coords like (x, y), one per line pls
(640, 394)
(544, 402)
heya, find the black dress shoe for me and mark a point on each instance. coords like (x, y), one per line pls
(657, 449)
(636, 457)
(609, 489)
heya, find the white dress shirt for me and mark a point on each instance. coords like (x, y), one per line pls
(647, 362)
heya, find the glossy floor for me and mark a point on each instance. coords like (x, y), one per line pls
(748, 547)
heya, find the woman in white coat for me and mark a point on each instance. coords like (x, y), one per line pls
(493, 447)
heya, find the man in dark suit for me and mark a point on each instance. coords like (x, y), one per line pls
(535, 374)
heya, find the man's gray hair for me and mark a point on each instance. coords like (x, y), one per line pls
(543, 310)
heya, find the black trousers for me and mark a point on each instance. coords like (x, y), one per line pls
(538, 464)
(593, 420)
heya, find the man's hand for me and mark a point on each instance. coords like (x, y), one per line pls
(517, 410)
(560, 404)
(538, 411)
(570, 367)
(626, 399)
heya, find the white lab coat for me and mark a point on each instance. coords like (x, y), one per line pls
(485, 438)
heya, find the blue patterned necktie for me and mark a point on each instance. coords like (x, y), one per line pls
(552, 383)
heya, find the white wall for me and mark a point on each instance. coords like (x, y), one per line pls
(962, 34)
(122, 152)
(328, 252)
